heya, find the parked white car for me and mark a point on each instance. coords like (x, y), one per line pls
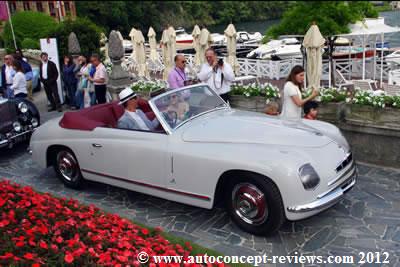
(264, 168)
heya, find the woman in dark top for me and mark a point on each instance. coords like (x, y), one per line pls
(70, 80)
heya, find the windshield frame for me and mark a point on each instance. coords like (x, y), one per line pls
(161, 118)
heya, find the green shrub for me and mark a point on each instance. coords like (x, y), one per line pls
(27, 25)
(87, 32)
(29, 43)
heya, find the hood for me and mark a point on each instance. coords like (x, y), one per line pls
(242, 127)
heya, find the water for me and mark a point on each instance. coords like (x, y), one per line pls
(392, 18)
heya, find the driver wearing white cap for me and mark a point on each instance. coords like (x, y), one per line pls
(133, 118)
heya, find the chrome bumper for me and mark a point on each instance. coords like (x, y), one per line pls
(331, 197)
(8, 141)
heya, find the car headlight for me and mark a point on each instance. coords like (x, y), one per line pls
(35, 122)
(17, 126)
(23, 107)
(308, 176)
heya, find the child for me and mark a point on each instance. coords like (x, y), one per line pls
(272, 109)
(310, 110)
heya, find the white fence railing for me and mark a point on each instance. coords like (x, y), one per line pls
(350, 68)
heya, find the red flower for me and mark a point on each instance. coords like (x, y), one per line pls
(2, 202)
(36, 265)
(145, 231)
(28, 256)
(43, 244)
(59, 239)
(69, 258)
(4, 223)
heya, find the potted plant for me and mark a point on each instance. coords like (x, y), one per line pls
(253, 97)
(145, 88)
(331, 101)
(374, 108)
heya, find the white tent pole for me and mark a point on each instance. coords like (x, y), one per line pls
(11, 25)
(363, 62)
(349, 61)
(376, 40)
(383, 43)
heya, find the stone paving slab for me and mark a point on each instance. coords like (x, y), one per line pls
(366, 220)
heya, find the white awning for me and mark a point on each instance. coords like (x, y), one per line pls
(370, 27)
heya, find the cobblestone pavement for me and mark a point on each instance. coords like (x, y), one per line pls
(367, 220)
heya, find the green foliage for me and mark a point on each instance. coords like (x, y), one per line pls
(27, 25)
(122, 15)
(87, 32)
(29, 43)
(332, 17)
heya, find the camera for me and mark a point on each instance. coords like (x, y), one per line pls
(220, 62)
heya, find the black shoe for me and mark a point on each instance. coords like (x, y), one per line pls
(60, 109)
(51, 109)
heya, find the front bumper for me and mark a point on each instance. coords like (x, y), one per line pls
(9, 141)
(330, 197)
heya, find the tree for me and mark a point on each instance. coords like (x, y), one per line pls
(27, 25)
(332, 17)
(123, 15)
(87, 32)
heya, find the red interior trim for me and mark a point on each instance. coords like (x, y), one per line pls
(148, 185)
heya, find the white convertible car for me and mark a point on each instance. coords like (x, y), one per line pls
(264, 168)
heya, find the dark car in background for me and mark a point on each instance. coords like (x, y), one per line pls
(18, 119)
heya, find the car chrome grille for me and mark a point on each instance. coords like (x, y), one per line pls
(345, 162)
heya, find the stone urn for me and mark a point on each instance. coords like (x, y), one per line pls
(74, 49)
(119, 78)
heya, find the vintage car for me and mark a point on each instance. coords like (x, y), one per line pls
(19, 118)
(264, 168)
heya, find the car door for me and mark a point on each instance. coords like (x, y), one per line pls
(137, 158)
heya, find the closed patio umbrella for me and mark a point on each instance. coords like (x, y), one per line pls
(166, 46)
(153, 44)
(172, 37)
(314, 42)
(140, 53)
(205, 41)
(132, 35)
(196, 45)
(230, 34)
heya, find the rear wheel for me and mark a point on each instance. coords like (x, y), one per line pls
(67, 168)
(255, 204)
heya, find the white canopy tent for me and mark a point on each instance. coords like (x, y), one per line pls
(371, 27)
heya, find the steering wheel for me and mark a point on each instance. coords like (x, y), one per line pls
(171, 117)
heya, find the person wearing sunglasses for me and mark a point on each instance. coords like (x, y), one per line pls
(177, 76)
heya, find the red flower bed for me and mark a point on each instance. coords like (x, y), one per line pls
(39, 229)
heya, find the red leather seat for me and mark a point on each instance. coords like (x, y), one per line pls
(104, 115)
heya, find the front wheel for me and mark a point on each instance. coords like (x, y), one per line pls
(67, 168)
(255, 204)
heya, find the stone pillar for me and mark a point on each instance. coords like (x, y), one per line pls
(119, 78)
(74, 49)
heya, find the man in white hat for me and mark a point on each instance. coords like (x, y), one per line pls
(133, 118)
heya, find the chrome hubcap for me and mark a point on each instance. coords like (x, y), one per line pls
(249, 203)
(68, 166)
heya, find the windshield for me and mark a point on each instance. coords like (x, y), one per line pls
(178, 106)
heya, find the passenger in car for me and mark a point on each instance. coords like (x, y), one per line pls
(178, 105)
(133, 118)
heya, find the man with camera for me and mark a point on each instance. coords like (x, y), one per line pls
(217, 74)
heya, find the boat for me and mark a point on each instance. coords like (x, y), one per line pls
(346, 52)
(277, 50)
(182, 37)
(393, 57)
(218, 39)
(243, 37)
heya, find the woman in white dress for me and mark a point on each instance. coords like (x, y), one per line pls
(292, 98)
